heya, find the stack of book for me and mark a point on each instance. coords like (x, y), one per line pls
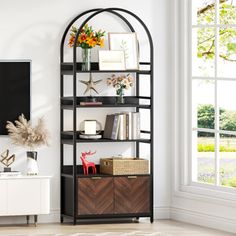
(122, 126)
(10, 174)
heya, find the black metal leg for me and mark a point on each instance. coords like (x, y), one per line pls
(27, 219)
(74, 221)
(151, 219)
(35, 220)
(62, 219)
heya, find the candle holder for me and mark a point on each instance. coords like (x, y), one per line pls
(90, 129)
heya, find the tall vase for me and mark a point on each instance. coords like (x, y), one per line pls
(32, 164)
(86, 59)
(120, 98)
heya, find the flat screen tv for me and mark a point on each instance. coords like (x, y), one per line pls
(14, 91)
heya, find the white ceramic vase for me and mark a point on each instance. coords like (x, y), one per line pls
(32, 164)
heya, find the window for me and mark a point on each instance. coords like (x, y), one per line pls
(213, 72)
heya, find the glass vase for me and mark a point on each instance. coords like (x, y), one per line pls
(120, 98)
(86, 59)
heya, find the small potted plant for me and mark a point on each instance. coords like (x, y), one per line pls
(88, 38)
(22, 133)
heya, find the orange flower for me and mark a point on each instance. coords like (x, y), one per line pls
(71, 41)
(82, 38)
(92, 42)
(101, 42)
(88, 38)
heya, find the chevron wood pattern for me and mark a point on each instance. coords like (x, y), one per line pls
(95, 196)
(132, 195)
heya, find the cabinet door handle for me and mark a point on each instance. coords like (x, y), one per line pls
(96, 177)
(132, 177)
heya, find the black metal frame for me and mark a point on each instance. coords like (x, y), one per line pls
(71, 212)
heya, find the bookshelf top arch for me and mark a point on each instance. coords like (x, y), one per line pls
(92, 13)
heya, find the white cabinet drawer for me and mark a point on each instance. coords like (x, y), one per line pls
(24, 196)
(3, 197)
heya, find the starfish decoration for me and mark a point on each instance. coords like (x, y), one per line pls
(90, 84)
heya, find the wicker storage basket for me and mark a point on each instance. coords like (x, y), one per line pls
(123, 166)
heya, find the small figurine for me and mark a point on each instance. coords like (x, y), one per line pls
(87, 164)
(7, 160)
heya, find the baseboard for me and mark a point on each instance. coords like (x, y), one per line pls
(202, 219)
(53, 217)
(161, 213)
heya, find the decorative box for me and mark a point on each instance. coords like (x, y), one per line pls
(123, 166)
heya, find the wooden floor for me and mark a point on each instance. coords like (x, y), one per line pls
(160, 228)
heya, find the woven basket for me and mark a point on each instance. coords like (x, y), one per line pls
(123, 166)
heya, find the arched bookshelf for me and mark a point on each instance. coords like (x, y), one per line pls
(109, 198)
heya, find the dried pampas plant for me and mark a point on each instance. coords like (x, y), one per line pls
(23, 134)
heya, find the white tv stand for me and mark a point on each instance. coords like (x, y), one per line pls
(25, 195)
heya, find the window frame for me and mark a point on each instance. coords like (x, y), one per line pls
(182, 106)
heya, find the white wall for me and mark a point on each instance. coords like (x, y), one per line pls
(33, 29)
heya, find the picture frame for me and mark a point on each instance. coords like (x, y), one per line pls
(129, 44)
(111, 60)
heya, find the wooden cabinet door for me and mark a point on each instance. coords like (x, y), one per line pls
(132, 194)
(95, 195)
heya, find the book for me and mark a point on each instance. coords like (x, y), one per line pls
(109, 123)
(10, 174)
(122, 127)
(90, 136)
(90, 103)
(115, 127)
(135, 125)
(129, 125)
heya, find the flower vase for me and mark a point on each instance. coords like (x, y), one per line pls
(120, 98)
(86, 59)
(32, 164)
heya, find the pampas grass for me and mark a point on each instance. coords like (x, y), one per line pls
(23, 133)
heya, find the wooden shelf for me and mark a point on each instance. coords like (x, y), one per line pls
(107, 101)
(67, 69)
(67, 172)
(67, 138)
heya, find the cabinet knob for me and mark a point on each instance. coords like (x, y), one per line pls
(132, 177)
(96, 177)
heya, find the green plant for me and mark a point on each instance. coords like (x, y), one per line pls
(228, 120)
(202, 147)
(229, 182)
(206, 119)
(206, 37)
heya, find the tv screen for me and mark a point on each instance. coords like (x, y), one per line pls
(14, 91)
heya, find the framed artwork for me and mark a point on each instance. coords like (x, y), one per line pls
(129, 44)
(111, 60)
